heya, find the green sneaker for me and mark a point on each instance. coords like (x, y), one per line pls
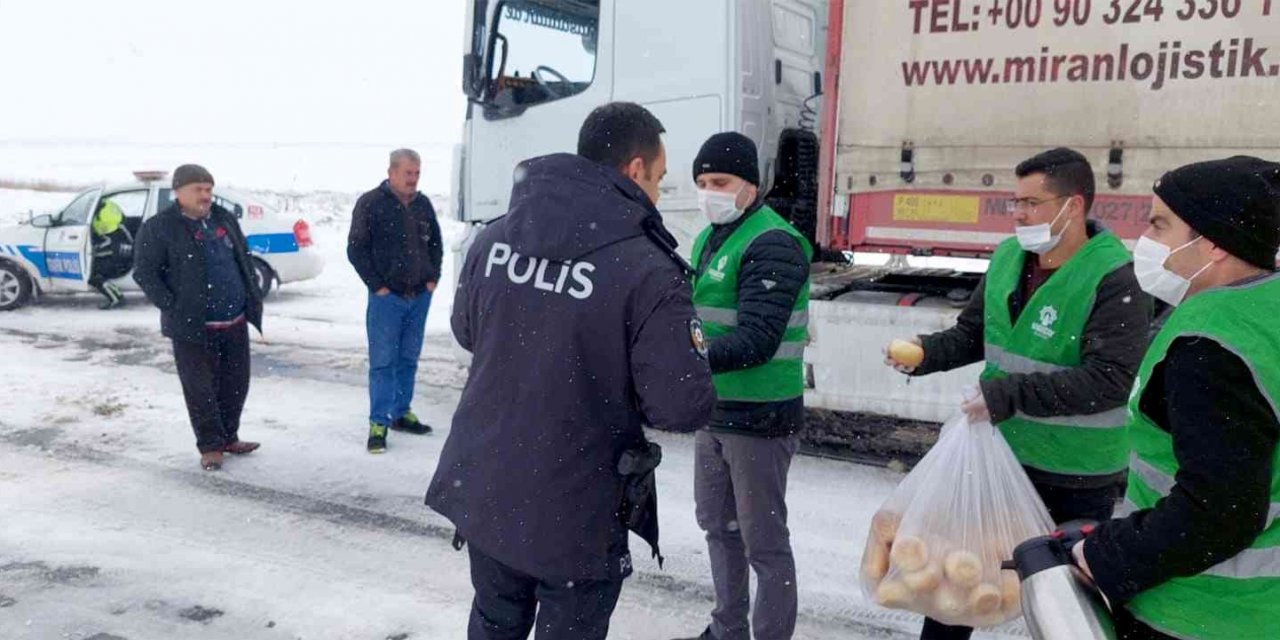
(411, 424)
(377, 438)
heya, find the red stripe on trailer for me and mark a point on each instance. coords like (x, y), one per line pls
(828, 234)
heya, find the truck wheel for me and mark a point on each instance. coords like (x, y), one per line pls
(15, 287)
(795, 191)
(264, 276)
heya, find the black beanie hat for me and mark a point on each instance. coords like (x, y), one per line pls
(190, 174)
(1235, 203)
(731, 153)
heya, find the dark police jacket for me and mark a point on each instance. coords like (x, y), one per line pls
(580, 320)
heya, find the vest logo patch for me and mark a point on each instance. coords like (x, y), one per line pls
(1048, 318)
(768, 284)
(717, 272)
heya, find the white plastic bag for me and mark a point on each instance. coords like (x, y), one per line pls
(936, 544)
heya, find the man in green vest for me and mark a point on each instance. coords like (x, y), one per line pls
(1061, 322)
(112, 253)
(1199, 556)
(751, 292)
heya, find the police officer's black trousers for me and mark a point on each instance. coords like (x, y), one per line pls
(215, 382)
(1064, 506)
(508, 603)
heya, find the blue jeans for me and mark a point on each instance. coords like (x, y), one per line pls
(395, 326)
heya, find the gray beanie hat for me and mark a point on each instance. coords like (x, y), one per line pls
(190, 174)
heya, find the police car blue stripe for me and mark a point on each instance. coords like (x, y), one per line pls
(272, 243)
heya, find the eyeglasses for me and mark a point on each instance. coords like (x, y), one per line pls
(1020, 205)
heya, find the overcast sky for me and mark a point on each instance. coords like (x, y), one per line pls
(244, 71)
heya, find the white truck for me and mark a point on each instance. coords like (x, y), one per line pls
(885, 127)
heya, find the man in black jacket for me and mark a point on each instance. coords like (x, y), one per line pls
(193, 263)
(752, 291)
(1062, 324)
(1196, 557)
(396, 248)
(576, 307)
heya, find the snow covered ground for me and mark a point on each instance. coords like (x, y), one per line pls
(109, 529)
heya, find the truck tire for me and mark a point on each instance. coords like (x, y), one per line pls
(15, 287)
(264, 276)
(795, 192)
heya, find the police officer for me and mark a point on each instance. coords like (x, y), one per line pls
(752, 291)
(577, 311)
(112, 253)
(1199, 557)
(1061, 322)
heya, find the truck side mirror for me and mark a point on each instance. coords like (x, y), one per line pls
(470, 69)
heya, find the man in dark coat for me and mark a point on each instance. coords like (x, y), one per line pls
(193, 263)
(396, 248)
(577, 310)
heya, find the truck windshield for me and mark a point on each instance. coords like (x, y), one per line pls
(546, 51)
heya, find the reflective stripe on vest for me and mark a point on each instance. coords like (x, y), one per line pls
(729, 317)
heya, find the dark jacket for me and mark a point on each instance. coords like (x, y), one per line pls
(1115, 339)
(763, 314)
(579, 316)
(393, 246)
(1224, 434)
(169, 265)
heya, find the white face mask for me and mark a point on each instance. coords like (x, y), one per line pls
(1149, 257)
(1039, 238)
(720, 207)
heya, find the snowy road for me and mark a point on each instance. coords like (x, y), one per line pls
(109, 529)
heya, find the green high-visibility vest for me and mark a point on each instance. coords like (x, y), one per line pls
(109, 218)
(715, 295)
(1238, 599)
(1047, 338)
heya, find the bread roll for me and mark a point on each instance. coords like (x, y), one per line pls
(924, 580)
(909, 553)
(1010, 591)
(951, 602)
(875, 561)
(964, 568)
(906, 353)
(884, 526)
(893, 594)
(985, 599)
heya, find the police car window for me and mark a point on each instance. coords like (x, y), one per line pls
(550, 50)
(234, 208)
(78, 211)
(133, 204)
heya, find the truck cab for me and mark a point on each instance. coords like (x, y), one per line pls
(534, 69)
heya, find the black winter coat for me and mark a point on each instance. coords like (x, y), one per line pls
(393, 246)
(169, 265)
(580, 319)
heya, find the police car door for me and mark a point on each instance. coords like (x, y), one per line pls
(67, 257)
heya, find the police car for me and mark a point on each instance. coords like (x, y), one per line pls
(53, 253)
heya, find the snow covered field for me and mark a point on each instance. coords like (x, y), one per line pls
(109, 529)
